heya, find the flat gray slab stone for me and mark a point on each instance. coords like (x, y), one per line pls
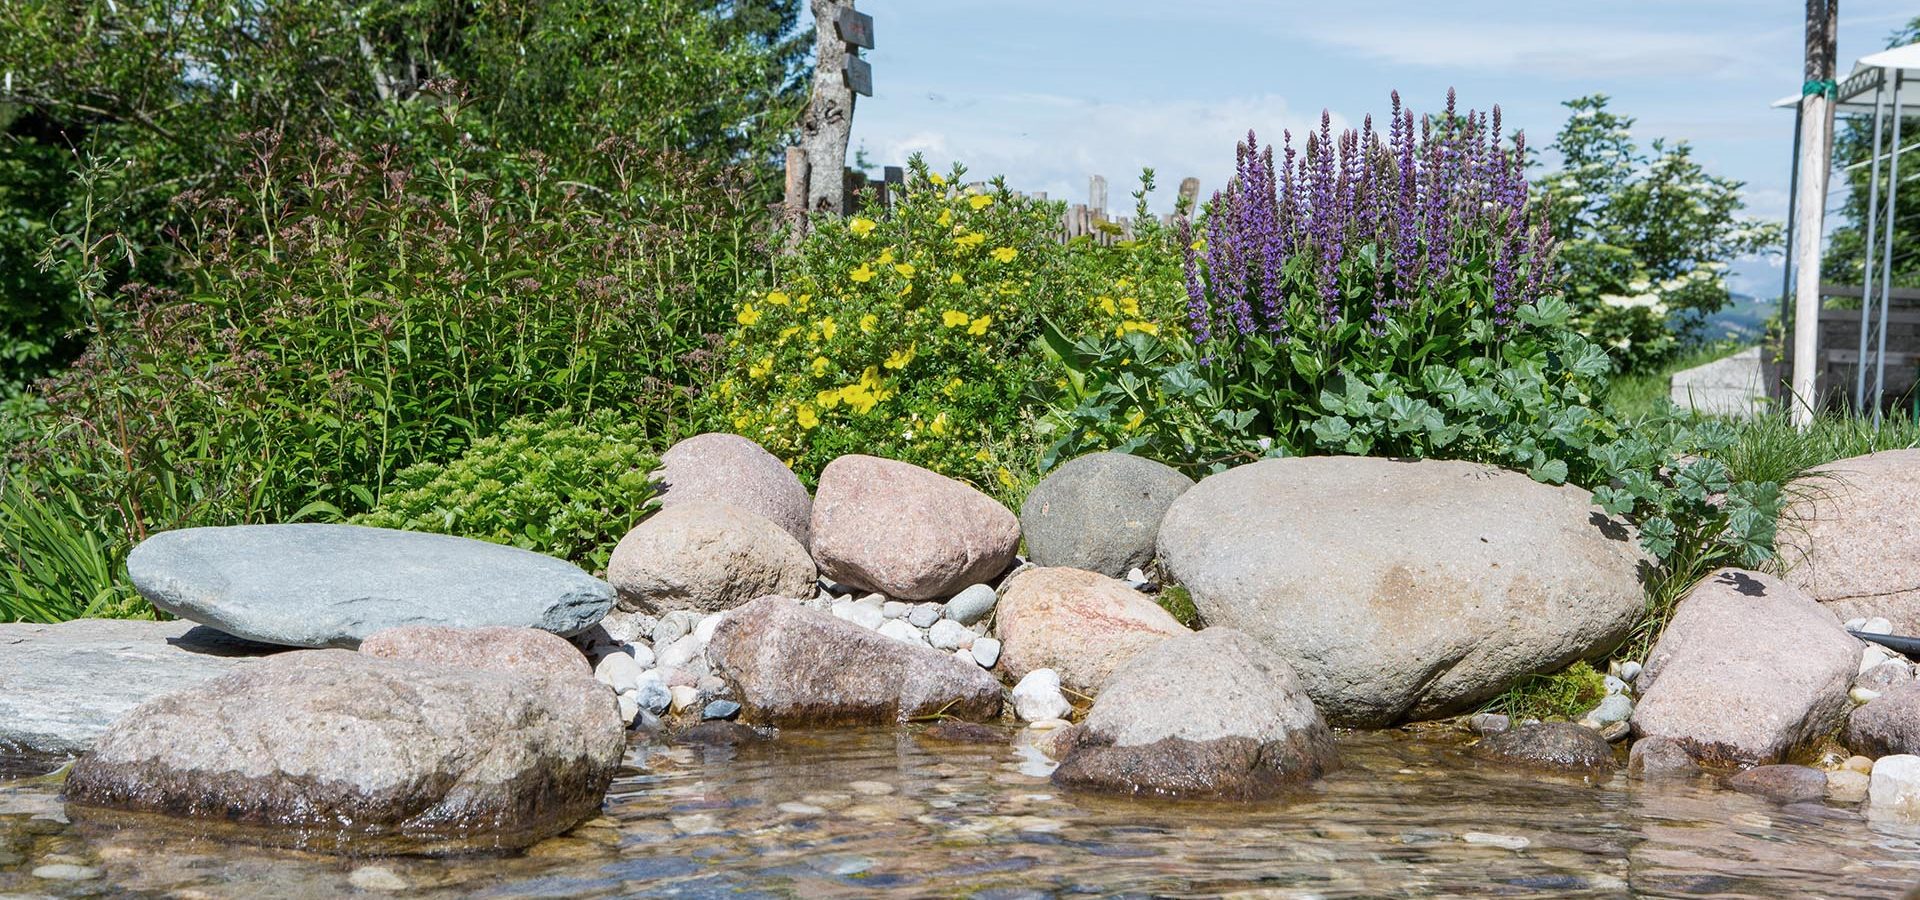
(62, 685)
(333, 585)
(1734, 386)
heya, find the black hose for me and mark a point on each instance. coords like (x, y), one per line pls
(1907, 645)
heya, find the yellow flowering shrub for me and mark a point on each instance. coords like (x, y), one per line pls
(909, 333)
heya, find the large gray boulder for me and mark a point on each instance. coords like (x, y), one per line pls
(1080, 624)
(792, 665)
(526, 650)
(1749, 670)
(332, 585)
(62, 686)
(1851, 539)
(707, 557)
(730, 469)
(340, 751)
(1100, 512)
(906, 532)
(1212, 713)
(1403, 589)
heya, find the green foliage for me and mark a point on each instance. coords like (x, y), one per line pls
(1178, 602)
(170, 91)
(1566, 694)
(902, 335)
(1852, 153)
(1647, 235)
(551, 484)
(1643, 392)
(58, 564)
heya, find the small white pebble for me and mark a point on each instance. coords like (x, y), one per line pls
(871, 788)
(376, 878)
(1509, 841)
(66, 872)
(801, 809)
(1876, 625)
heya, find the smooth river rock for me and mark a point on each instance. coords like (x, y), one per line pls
(730, 469)
(526, 650)
(1213, 713)
(911, 534)
(1887, 725)
(332, 585)
(1852, 541)
(707, 557)
(340, 751)
(1080, 624)
(1554, 746)
(792, 665)
(62, 686)
(1100, 512)
(1404, 589)
(1748, 670)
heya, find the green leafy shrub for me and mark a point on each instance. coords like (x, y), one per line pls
(903, 335)
(553, 484)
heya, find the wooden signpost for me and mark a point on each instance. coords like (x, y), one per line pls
(826, 126)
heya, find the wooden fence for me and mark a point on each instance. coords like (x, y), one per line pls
(1840, 350)
(1091, 219)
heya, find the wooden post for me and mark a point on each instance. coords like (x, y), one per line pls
(1189, 196)
(827, 122)
(1816, 133)
(794, 207)
(1097, 197)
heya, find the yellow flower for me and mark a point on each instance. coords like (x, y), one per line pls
(1198, 245)
(748, 315)
(956, 279)
(886, 256)
(938, 426)
(970, 239)
(827, 399)
(1130, 306)
(1133, 421)
(954, 387)
(788, 332)
(1005, 254)
(946, 218)
(806, 417)
(900, 358)
(868, 321)
(983, 456)
(740, 423)
(1146, 327)
(761, 369)
(1006, 477)
(936, 179)
(802, 302)
(863, 274)
(861, 226)
(954, 318)
(905, 270)
(778, 298)
(979, 325)
(980, 202)
(1106, 305)
(820, 364)
(905, 289)
(828, 328)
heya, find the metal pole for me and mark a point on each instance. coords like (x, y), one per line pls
(1866, 266)
(1886, 249)
(1793, 192)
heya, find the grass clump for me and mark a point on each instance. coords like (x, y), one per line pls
(1178, 602)
(1562, 695)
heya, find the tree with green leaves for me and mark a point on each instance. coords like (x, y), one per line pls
(1647, 235)
(1852, 153)
(165, 91)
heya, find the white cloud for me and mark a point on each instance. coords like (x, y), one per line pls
(1051, 143)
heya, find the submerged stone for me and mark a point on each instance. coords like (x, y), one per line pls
(1561, 746)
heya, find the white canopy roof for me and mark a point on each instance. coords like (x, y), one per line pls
(1855, 96)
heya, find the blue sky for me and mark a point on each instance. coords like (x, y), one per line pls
(1048, 93)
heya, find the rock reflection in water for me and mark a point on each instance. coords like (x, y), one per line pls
(848, 813)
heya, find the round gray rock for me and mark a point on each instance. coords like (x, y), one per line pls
(727, 468)
(333, 585)
(1852, 541)
(1554, 746)
(1100, 512)
(1403, 589)
(1212, 713)
(341, 751)
(893, 527)
(1887, 725)
(526, 650)
(707, 557)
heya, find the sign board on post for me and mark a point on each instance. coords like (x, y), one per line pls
(859, 75)
(855, 28)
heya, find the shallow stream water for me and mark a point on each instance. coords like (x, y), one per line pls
(864, 812)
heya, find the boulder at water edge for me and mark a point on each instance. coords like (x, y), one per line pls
(792, 665)
(892, 527)
(1852, 539)
(730, 469)
(1100, 512)
(335, 750)
(707, 557)
(1081, 624)
(62, 686)
(1212, 713)
(1552, 746)
(1748, 670)
(1886, 725)
(332, 585)
(1403, 589)
(525, 650)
